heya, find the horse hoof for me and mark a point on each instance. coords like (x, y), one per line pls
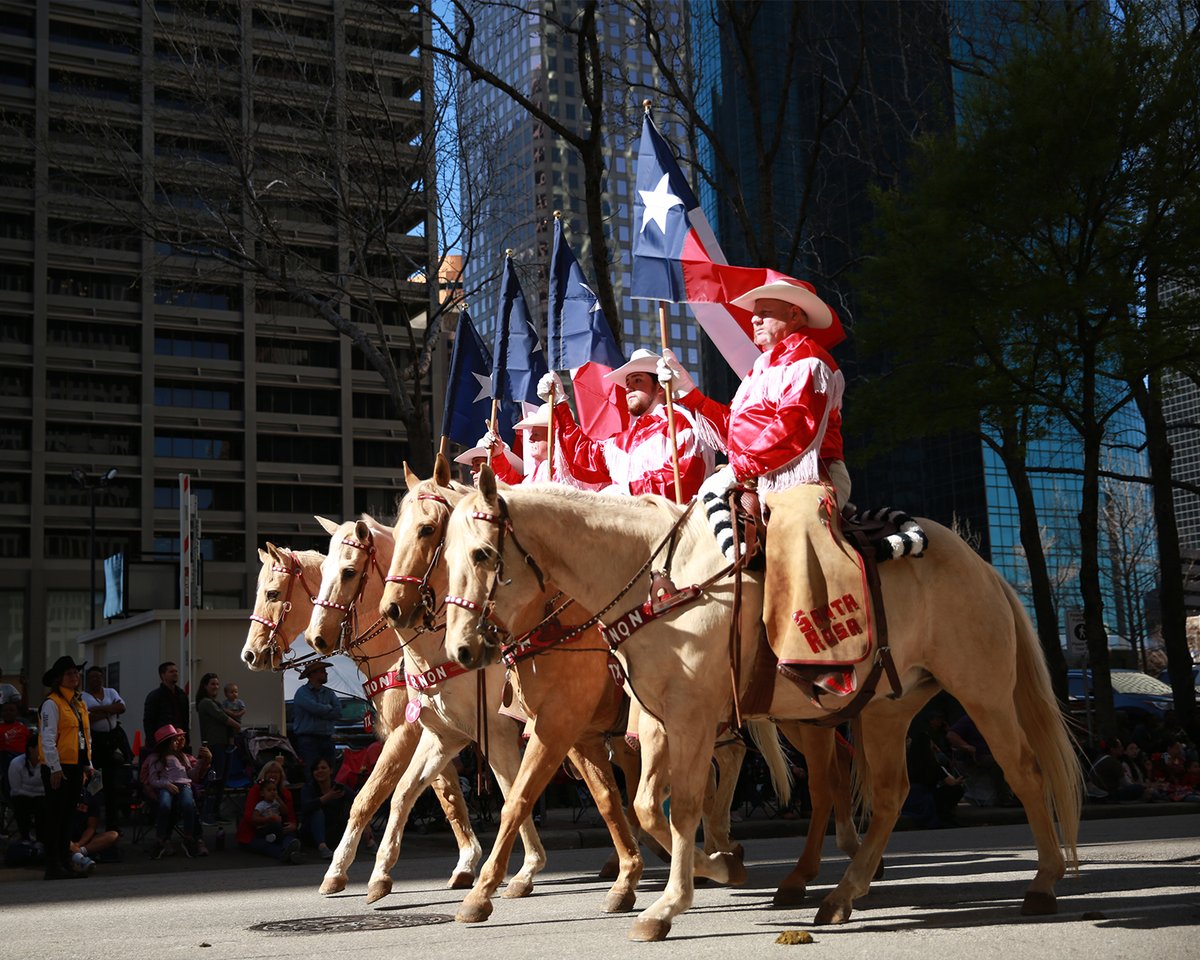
(461, 880)
(833, 913)
(789, 896)
(471, 911)
(517, 888)
(1038, 904)
(736, 867)
(610, 871)
(378, 889)
(879, 870)
(650, 931)
(619, 902)
(333, 885)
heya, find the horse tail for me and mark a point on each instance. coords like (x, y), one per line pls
(1049, 738)
(766, 737)
(860, 772)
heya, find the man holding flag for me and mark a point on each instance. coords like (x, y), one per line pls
(637, 459)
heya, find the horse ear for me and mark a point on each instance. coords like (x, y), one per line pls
(487, 482)
(264, 557)
(441, 470)
(328, 525)
(410, 479)
(362, 531)
(272, 551)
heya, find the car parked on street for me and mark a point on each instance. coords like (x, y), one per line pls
(1134, 692)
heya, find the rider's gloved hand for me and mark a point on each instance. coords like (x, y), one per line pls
(551, 383)
(670, 370)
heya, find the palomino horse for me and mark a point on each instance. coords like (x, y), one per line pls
(283, 606)
(570, 694)
(449, 709)
(955, 625)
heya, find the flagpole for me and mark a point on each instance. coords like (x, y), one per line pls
(662, 330)
(497, 375)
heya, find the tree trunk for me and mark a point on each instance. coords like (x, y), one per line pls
(1148, 395)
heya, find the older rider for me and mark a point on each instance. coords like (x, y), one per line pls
(537, 435)
(638, 459)
(784, 426)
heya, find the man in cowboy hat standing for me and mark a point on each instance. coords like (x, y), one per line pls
(784, 426)
(64, 751)
(638, 459)
(315, 707)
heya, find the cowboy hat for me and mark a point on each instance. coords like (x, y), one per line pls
(640, 361)
(167, 731)
(313, 667)
(64, 663)
(480, 450)
(796, 292)
(538, 418)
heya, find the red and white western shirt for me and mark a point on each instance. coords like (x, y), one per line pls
(638, 459)
(785, 418)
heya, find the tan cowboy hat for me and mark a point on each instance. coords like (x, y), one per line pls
(640, 361)
(538, 418)
(792, 291)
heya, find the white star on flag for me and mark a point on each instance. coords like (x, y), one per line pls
(485, 387)
(595, 299)
(657, 202)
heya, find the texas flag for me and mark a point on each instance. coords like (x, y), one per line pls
(582, 342)
(674, 249)
(469, 386)
(518, 362)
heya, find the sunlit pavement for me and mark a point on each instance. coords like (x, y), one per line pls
(950, 893)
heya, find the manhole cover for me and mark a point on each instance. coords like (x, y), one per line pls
(369, 921)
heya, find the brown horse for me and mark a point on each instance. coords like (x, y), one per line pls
(550, 682)
(499, 549)
(283, 606)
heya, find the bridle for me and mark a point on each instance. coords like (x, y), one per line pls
(427, 598)
(295, 572)
(495, 634)
(349, 610)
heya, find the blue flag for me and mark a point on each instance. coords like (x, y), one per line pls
(469, 387)
(518, 361)
(575, 326)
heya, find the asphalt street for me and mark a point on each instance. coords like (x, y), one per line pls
(948, 893)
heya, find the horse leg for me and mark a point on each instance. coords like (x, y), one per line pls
(591, 760)
(537, 767)
(824, 785)
(728, 757)
(884, 726)
(690, 751)
(393, 758)
(433, 751)
(454, 805)
(504, 757)
(629, 761)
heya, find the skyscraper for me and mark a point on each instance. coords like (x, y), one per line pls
(145, 351)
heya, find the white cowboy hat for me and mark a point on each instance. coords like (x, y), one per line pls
(479, 450)
(538, 418)
(640, 361)
(792, 291)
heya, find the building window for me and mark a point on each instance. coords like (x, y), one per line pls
(202, 447)
(199, 345)
(173, 394)
(68, 614)
(12, 632)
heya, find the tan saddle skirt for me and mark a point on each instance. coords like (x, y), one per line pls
(816, 600)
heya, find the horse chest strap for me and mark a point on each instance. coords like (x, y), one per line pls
(391, 680)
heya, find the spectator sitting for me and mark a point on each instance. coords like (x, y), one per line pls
(234, 708)
(172, 777)
(1110, 774)
(27, 792)
(985, 785)
(325, 805)
(87, 839)
(14, 733)
(286, 846)
(9, 693)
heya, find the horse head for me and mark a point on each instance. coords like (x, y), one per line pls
(493, 584)
(416, 577)
(351, 577)
(282, 605)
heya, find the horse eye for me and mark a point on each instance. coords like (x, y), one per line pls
(348, 573)
(479, 555)
(425, 530)
(272, 595)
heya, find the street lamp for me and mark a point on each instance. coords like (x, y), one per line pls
(89, 483)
